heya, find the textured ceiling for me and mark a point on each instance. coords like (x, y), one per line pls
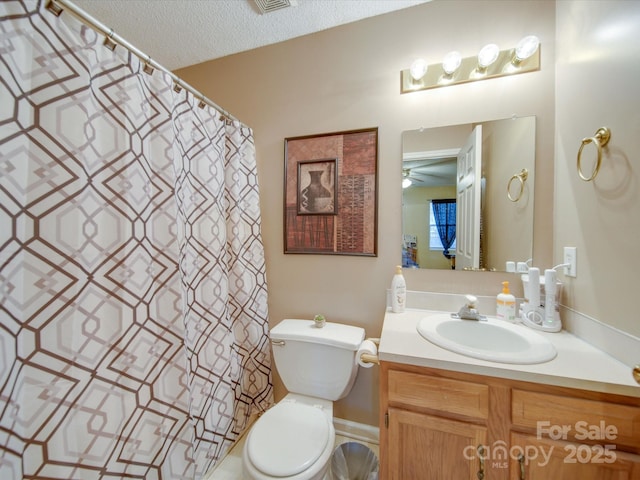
(179, 33)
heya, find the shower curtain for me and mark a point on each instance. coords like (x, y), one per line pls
(133, 315)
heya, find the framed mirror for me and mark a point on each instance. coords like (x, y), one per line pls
(467, 197)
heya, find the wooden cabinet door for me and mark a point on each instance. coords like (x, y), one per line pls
(553, 459)
(423, 447)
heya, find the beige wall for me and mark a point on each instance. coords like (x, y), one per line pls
(347, 78)
(598, 84)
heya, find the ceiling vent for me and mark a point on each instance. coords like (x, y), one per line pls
(267, 6)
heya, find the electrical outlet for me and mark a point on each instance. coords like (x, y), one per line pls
(570, 270)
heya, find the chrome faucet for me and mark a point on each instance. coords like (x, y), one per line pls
(469, 310)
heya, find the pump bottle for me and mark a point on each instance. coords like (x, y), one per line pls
(398, 291)
(506, 304)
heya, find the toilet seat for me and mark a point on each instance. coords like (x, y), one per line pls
(288, 439)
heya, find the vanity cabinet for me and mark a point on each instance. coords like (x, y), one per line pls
(439, 424)
(410, 432)
(575, 437)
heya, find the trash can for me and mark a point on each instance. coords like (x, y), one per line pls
(354, 461)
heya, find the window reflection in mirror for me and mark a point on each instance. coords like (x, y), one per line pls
(437, 165)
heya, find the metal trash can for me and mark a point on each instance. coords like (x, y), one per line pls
(353, 461)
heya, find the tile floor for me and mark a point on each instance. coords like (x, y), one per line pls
(231, 466)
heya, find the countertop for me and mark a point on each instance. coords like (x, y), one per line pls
(577, 364)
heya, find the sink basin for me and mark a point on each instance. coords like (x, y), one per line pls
(488, 339)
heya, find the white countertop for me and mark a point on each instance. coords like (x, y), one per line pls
(577, 364)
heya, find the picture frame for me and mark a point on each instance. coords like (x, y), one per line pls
(339, 215)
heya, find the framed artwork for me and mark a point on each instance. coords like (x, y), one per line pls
(331, 193)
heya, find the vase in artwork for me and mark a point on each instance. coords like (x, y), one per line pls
(316, 198)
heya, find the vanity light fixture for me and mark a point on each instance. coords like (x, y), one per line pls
(525, 48)
(488, 55)
(418, 69)
(491, 62)
(451, 62)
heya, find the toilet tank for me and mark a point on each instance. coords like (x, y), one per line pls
(318, 362)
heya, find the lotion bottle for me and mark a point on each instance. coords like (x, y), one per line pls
(398, 291)
(506, 304)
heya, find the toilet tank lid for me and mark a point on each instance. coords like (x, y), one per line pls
(333, 334)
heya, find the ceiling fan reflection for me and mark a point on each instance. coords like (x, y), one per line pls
(429, 173)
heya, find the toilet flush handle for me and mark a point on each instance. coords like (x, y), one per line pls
(278, 343)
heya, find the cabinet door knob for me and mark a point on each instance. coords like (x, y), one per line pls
(636, 373)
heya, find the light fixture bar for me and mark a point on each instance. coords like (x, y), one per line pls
(469, 71)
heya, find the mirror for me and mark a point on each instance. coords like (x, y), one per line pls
(469, 185)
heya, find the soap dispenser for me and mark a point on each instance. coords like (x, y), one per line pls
(506, 304)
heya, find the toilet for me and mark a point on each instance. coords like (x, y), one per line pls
(294, 439)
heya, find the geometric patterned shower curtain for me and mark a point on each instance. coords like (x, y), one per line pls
(133, 299)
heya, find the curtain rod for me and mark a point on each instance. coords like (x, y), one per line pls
(58, 6)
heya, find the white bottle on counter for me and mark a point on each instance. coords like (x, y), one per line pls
(533, 294)
(398, 291)
(506, 304)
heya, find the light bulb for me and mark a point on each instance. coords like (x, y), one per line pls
(406, 183)
(488, 55)
(527, 47)
(451, 62)
(418, 69)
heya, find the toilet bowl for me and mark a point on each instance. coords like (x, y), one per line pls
(293, 440)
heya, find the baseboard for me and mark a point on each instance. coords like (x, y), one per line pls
(357, 431)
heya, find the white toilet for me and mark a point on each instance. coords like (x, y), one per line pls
(294, 439)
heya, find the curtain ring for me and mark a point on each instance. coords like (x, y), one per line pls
(521, 177)
(600, 139)
(54, 8)
(108, 41)
(148, 68)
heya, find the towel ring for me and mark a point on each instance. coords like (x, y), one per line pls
(521, 177)
(600, 139)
